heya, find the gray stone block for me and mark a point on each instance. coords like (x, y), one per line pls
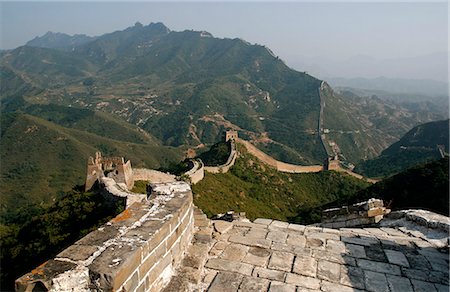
(276, 286)
(378, 267)
(250, 284)
(329, 271)
(305, 265)
(281, 261)
(303, 281)
(229, 266)
(399, 284)
(226, 282)
(268, 274)
(375, 282)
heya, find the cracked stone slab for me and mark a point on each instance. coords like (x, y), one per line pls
(281, 261)
(281, 287)
(327, 270)
(226, 282)
(250, 284)
(305, 265)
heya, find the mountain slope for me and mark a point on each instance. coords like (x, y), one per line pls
(259, 190)
(186, 87)
(40, 158)
(57, 40)
(417, 146)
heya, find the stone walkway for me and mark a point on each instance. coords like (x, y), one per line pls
(274, 256)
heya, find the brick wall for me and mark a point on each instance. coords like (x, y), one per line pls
(137, 250)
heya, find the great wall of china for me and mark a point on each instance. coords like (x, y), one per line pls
(162, 242)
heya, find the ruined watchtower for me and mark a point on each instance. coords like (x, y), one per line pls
(114, 167)
(332, 163)
(231, 135)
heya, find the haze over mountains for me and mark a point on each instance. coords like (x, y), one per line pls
(182, 89)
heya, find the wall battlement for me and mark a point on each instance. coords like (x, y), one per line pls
(138, 249)
(115, 167)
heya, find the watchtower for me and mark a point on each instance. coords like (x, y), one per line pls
(231, 135)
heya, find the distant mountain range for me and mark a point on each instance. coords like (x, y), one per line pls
(422, 144)
(57, 40)
(425, 87)
(186, 87)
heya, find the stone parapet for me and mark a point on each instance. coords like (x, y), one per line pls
(137, 250)
(360, 214)
(196, 172)
(230, 161)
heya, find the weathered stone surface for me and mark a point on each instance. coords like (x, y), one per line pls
(305, 265)
(277, 236)
(342, 259)
(257, 256)
(316, 243)
(328, 271)
(263, 221)
(222, 226)
(234, 252)
(268, 274)
(229, 266)
(399, 284)
(379, 267)
(278, 224)
(251, 284)
(296, 240)
(366, 241)
(352, 276)
(281, 261)
(297, 227)
(332, 287)
(78, 252)
(226, 282)
(335, 246)
(257, 233)
(303, 281)
(264, 243)
(375, 282)
(276, 286)
(421, 286)
(396, 257)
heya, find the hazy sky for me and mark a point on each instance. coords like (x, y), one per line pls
(295, 31)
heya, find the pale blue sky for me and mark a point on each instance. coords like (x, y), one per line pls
(293, 30)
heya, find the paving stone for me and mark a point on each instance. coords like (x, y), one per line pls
(276, 286)
(441, 288)
(315, 243)
(303, 289)
(283, 247)
(257, 233)
(324, 236)
(303, 281)
(222, 226)
(328, 271)
(225, 282)
(396, 257)
(234, 252)
(366, 241)
(375, 282)
(297, 227)
(296, 240)
(251, 284)
(352, 276)
(281, 261)
(335, 246)
(268, 274)
(333, 287)
(277, 236)
(418, 261)
(229, 266)
(393, 232)
(264, 243)
(305, 265)
(421, 286)
(263, 221)
(375, 253)
(379, 267)
(355, 250)
(209, 276)
(278, 225)
(312, 229)
(331, 230)
(333, 257)
(257, 256)
(399, 284)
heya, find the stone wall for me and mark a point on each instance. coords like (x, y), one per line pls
(197, 171)
(360, 214)
(137, 250)
(230, 161)
(152, 175)
(279, 165)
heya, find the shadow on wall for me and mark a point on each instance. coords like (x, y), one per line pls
(396, 263)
